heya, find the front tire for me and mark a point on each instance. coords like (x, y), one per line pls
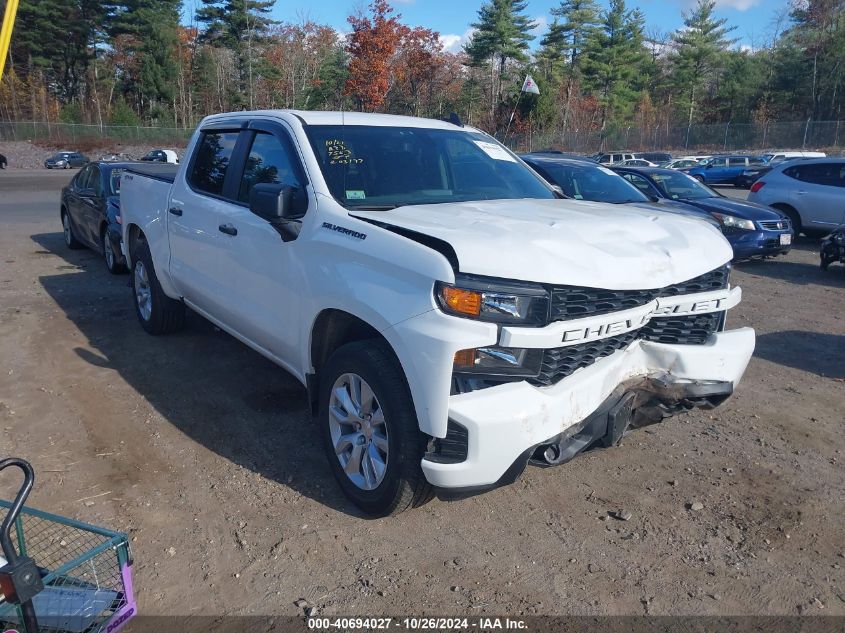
(157, 313)
(370, 430)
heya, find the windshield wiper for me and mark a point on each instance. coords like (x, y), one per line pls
(374, 207)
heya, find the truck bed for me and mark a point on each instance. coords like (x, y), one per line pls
(159, 171)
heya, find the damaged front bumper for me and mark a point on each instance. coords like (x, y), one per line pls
(494, 432)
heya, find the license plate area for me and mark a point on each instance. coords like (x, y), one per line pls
(785, 239)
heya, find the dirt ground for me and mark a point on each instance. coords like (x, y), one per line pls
(204, 452)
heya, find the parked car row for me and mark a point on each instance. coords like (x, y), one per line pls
(70, 160)
(753, 230)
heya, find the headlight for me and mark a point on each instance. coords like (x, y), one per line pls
(499, 361)
(494, 301)
(733, 222)
(60, 162)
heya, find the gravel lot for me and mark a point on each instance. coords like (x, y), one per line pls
(204, 452)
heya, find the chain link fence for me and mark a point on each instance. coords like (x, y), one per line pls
(702, 138)
(71, 134)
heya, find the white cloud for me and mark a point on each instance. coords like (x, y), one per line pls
(738, 5)
(541, 24)
(453, 43)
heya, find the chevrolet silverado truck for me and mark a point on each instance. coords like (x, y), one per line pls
(451, 317)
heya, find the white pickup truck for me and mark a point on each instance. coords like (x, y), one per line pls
(450, 316)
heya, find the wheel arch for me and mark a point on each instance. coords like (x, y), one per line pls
(792, 212)
(134, 234)
(332, 329)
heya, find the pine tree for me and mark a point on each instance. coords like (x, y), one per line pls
(502, 35)
(149, 29)
(241, 26)
(699, 51)
(61, 50)
(614, 54)
(580, 18)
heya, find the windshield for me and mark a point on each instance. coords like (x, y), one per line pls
(379, 167)
(592, 182)
(114, 181)
(678, 186)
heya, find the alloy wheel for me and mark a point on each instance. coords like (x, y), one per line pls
(358, 431)
(143, 293)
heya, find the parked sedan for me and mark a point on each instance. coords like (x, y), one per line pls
(637, 162)
(582, 180)
(90, 212)
(161, 156)
(752, 229)
(750, 175)
(680, 163)
(811, 192)
(65, 160)
(723, 169)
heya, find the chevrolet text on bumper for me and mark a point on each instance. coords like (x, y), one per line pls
(450, 317)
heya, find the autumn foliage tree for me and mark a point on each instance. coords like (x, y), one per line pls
(371, 47)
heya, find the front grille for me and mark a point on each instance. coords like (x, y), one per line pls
(573, 302)
(775, 225)
(691, 329)
(714, 280)
(560, 362)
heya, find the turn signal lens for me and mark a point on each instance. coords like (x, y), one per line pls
(465, 358)
(757, 186)
(462, 301)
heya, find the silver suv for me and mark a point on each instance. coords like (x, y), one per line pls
(810, 192)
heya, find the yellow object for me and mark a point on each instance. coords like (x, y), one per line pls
(6, 32)
(465, 358)
(463, 301)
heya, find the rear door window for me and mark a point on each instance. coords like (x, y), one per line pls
(211, 161)
(736, 162)
(829, 174)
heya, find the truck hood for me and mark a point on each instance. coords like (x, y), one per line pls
(567, 242)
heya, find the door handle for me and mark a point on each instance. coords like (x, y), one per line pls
(801, 192)
(228, 229)
(175, 210)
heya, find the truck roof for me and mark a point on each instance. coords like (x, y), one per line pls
(319, 117)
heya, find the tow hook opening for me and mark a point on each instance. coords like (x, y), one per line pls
(634, 405)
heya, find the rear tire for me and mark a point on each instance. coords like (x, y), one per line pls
(373, 442)
(113, 264)
(67, 228)
(157, 313)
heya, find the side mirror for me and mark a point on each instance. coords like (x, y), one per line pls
(708, 166)
(275, 201)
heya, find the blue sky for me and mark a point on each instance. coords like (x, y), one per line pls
(753, 18)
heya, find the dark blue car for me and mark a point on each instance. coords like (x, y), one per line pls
(752, 229)
(584, 179)
(724, 170)
(90, 211)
